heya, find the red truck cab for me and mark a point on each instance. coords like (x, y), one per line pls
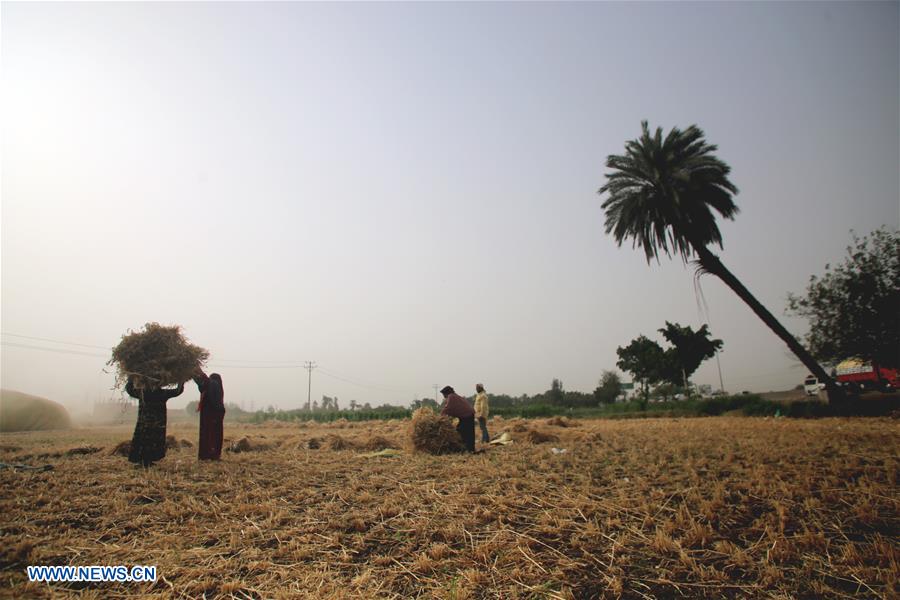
(860, 376)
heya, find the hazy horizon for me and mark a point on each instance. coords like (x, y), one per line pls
(406, 193)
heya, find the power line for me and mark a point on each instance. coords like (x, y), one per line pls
(292, 364)
(219, 363)
(373, 386)
(58, 350)
(40, 339)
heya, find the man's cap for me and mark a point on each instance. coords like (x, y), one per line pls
(447, 390)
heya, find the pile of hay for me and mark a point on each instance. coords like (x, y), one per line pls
(24, 412)
(245, 445)
(562, 422)
(336, 442)
(434, 434)
(535, 436)
(172, 443)
(121, 449)
(157, 356)
(377, 442)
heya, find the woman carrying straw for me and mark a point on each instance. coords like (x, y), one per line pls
(149, 442)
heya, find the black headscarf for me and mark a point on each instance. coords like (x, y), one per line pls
(214, 398)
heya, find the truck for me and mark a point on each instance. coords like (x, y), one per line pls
(861, 376)
(812, 386)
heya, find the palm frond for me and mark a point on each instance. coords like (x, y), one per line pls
(664, 192)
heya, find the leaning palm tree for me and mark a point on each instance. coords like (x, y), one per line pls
(663, 195)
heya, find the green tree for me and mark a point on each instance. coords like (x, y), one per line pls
(429, 402)
(689, 349)
(556, 395)
(643, 358)
(609, 388)
(663, 195)
(854, 308)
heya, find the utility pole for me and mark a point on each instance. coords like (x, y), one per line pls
(435, 386)
(719, 366)
(309, 366)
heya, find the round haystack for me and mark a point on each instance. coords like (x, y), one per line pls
(24, 412)
(158, 356)
(434, 434)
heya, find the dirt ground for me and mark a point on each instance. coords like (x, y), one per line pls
(653, 508)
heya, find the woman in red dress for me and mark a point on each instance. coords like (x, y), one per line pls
(212, 414)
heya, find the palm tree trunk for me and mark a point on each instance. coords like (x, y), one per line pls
(712, 264)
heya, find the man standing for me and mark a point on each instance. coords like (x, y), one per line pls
(481, 412)
(459, 407)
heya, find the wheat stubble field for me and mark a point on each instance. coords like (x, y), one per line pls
(654, 508)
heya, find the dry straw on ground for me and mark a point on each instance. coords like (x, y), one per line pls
(156, 356)
(740, 508)
(337, 442)
(433, 433)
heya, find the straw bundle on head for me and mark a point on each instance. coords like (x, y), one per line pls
(157, 356)
(434, 434)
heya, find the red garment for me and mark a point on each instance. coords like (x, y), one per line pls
(212, 415)
(210, 444)
(457, 406)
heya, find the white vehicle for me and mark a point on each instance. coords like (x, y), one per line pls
(812, 386)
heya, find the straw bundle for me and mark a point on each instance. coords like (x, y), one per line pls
(434, 434)
(157, 356)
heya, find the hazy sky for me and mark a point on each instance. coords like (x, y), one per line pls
(406, 193)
